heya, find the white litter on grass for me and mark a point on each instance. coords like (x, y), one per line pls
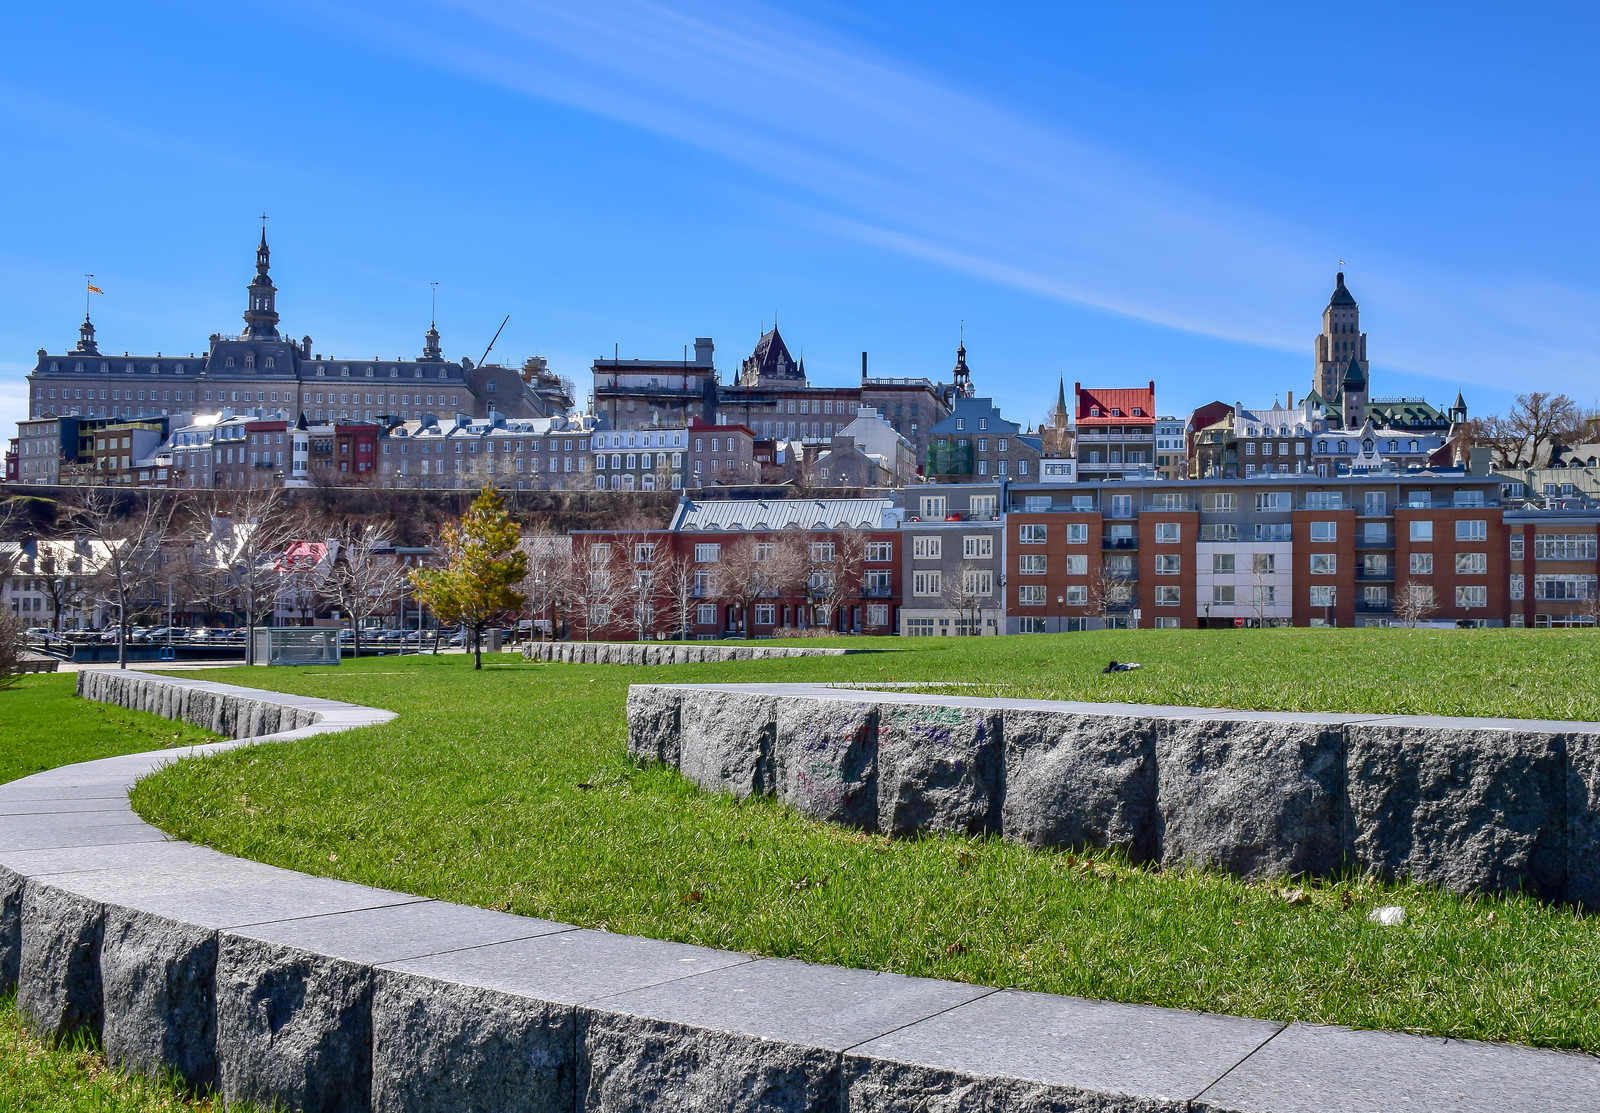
(1390, 915)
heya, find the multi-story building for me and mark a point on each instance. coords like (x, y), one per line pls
(720, 455)
(952, 553)
(651, 459)
(119, 448)
(1275, 550)
(1553, 563)
(1276, 440)
(771, 395)
(975, 443)
(39, 450)
(1172, 448)
(526, 454)
(1116, 431)
(1374, 448)
(261, 368)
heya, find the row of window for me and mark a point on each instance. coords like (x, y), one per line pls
(1555, 586)
(973, 547)
(822, 552)
(1557, 546)
(974, 582)
(1227, 595)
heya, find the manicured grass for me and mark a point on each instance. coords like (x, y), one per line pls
(511, 789)
(43, 725)
(73, 1077)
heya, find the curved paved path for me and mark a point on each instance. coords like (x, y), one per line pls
(321, 994)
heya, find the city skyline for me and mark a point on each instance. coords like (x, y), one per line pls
(914, 195)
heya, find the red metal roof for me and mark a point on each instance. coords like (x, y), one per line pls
(1116, 406)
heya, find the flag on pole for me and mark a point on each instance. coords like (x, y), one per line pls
(93, 289)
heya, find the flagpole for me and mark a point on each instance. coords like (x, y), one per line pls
(88, 279)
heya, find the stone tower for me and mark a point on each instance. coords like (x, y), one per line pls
(261, 318)
(1340, 341)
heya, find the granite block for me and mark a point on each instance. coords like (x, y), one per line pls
(940, 769)
(1465, 808)
(825, 759)
(653, 729)
(762, 1036)
(1255, 796)
(58, 970)
(726, 741)
(1583, 819)
(158, 1005)
(1080, 780)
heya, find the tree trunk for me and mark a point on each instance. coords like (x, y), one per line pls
(477, 647)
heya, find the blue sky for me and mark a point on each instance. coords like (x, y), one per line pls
(1110, 193)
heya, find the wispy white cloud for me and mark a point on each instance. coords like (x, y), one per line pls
(878, 152)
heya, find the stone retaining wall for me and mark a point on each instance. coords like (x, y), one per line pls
(1468, 804)
(636, 653)
(280, 988)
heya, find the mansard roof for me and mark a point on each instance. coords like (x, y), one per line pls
(771, 358)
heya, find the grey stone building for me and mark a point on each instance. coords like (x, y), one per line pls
(952, 555)
(261, 368)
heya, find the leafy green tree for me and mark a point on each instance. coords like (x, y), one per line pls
(483, 565)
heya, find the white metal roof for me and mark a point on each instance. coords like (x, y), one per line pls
(768, 514)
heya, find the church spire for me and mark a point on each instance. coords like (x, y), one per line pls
(261, 317)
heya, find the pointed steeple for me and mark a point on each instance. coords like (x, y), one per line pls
(1341, 295)
(962, 373)
(261, 317)
(1353, 375)
(1061, 395)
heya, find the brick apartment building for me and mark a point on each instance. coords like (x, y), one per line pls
(1300, 550)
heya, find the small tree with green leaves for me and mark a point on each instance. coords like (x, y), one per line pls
(483, 563)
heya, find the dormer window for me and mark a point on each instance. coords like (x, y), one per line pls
(345, 370)
(128, 370)
(417, 374)
(1137, 412)
(961, 423)
(250, 363)
(369, 372)
(1116, 411)
(1094, 411)
(271, 363)
(983, 423)
(230, 362)
(177, 369)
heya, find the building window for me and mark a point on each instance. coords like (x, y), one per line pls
(1558, 546)
(1472, 564)
(1324, 533)
(1077, 533)
(1323, 596)
(1517, 587)
(1324, 564)
(1468, 597)
(977, 582)
(1222, 563)
(1222, 594)
(926, 548)
(1031, 534)
(1031, 595)
(1168, 596)
(926, 582)
(707, 553)
(706, 614)
(977, 547)
(1031, 564)
(1077, 564)
(1421, 531)
(1168, 565)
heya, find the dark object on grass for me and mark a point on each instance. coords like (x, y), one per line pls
(1122, 666)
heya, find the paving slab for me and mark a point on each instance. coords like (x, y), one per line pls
(58, 834)
(25, 825)
(394, 932)
(764, 1035)
(1314, 1068)
(1024, 1051)
(73, 805)
(66, 859)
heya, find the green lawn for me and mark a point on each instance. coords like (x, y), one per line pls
(511, 789)
(43, 725)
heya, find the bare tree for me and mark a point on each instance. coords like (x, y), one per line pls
(750, 571)
(1536, 422)
(59, 568)
(1413, 602)
(544, 586)
(13, 648)
(252, 531)
(641, 564)
(364, 576)
(677, 586)
(841, 574)
(594, 585)
(134, 544)
(1263, 592)
(1109, 593)
(968, 592)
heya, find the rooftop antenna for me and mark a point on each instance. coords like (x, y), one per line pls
(497, 333)
(433, 313)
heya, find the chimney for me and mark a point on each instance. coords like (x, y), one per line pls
(1288, 399)
(863, 367)
(702, 351)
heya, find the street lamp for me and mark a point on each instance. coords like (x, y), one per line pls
(1061, 601)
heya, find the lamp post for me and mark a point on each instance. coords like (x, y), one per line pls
(1061, 601)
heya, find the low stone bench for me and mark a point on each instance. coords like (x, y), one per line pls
(1489, 805)
(277, 987)
(639, 653)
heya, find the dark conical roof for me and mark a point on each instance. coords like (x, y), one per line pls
(1341, 296)
(1353, 375)
(771, 358)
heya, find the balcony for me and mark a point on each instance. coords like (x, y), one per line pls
(1384, 577)
(1110, 543)
(877, 592)
(1364, 607)
(1384, 542)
